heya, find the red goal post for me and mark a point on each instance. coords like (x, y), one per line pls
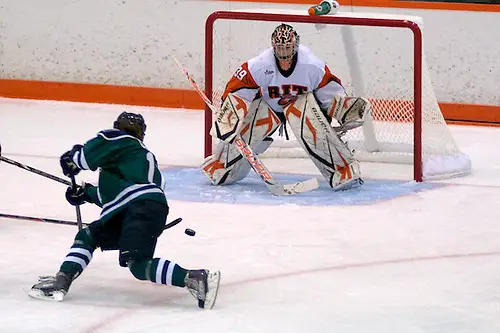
(340, 19)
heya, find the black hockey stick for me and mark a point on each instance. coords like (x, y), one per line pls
(173, 223)
(55, 221)
(31, 169)
(77, 207)
(47, 175)
(38, 219)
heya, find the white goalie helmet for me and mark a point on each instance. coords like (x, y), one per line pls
(285, 41)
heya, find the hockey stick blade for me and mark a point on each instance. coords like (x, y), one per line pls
(291, 189)
(173, 223)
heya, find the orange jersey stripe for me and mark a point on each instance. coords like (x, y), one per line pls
(242, 79)
(328, 77)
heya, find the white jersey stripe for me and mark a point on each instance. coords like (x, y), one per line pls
(159, 270)
(170, 272)
(76, 260)
(81, 251)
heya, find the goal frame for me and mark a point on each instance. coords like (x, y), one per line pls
(326, 19)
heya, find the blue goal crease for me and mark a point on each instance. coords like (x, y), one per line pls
(190, 184)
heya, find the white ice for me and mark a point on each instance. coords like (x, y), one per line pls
(428, 262)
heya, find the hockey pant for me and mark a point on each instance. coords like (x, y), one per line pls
(329, 153)
(227, 165)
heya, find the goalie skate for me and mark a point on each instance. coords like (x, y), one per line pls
(204, 286)
(51, 288)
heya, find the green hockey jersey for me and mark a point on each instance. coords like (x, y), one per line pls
(128, 171)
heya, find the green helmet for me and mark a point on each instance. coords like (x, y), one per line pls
(132, 123)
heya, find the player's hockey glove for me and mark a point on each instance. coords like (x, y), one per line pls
(69, 168)
(79, 195)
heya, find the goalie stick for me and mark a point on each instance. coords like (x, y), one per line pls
(272, 184)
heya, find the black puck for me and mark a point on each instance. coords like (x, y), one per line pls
(190, 232)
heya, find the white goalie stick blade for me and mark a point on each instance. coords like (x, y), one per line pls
(213, 289)
(291, 189)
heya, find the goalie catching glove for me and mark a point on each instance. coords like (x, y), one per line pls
(350, 112)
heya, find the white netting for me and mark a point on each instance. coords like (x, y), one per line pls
(373, 62)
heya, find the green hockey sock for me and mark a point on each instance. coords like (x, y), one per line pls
(160, 271)
(80, 254)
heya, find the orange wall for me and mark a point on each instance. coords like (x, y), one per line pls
(178, 98)
(100, 93)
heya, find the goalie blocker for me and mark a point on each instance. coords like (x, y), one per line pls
(316, 136)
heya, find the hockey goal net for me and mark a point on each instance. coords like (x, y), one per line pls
(378, 56)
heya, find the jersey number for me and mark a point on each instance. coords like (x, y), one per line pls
(152, 167)
(240, 73)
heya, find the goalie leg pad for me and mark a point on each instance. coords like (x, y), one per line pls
(350, 112)
(328, 152)
(227, 171)
(227, 165)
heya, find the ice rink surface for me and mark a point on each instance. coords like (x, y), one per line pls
(393, 257)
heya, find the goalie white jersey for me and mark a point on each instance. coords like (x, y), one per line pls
(279, 88)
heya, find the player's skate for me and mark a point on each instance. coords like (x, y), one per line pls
(203, 285)
(51, 288)
(346, 177)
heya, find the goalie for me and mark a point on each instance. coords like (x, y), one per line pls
(286, 83)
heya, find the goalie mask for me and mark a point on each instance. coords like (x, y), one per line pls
(285, 41)
(132, 123)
